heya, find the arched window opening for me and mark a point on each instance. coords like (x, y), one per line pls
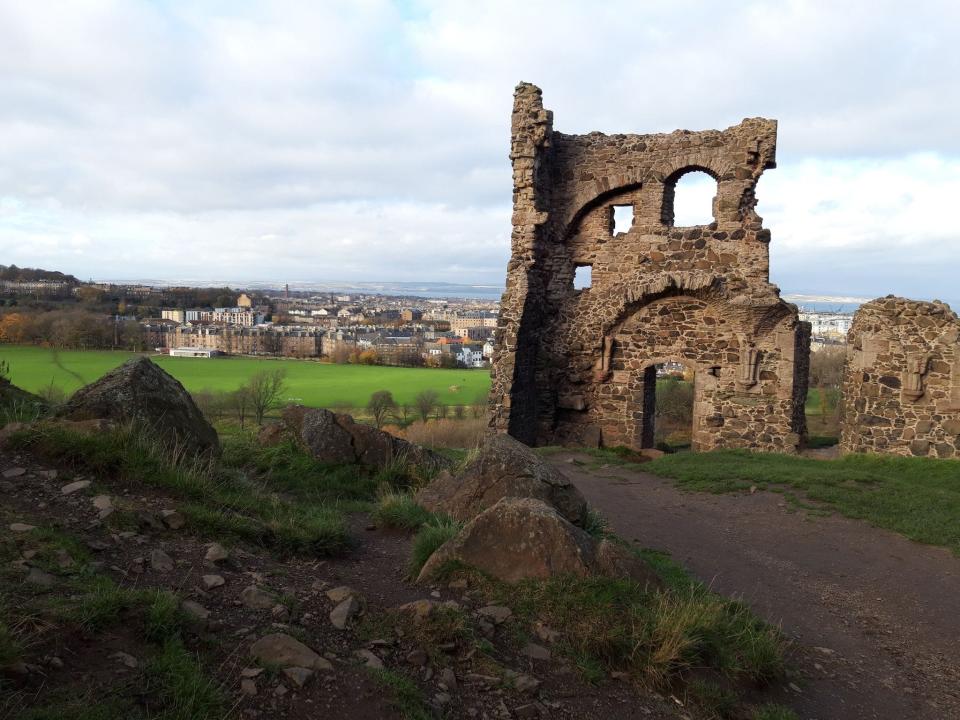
(668, 407)
(622, 219)
(583, 277)
(688, 200)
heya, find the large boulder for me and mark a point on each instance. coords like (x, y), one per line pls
(521, 538)
(139, 391)
(504, 468)
(336, 438)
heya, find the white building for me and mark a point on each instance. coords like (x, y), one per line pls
(471, 356)
(194, 352)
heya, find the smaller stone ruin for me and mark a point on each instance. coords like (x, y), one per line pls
(901, 385)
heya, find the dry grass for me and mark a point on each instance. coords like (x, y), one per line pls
(446, 433)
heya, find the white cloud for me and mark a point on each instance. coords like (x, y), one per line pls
(369, 139)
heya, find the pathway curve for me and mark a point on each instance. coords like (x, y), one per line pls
(875, 617)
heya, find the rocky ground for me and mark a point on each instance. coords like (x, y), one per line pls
(277, 637)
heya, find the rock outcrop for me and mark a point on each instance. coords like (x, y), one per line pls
(336, 438)
(503, 468)
(139, 391)
(520, 538)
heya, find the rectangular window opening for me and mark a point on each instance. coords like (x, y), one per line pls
(622, 218)
(583, 277)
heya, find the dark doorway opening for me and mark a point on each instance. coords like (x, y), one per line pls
(669, 390)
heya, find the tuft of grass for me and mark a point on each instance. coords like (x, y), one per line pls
(712, 698)
(614, 624)
(772, 711)
(405, 697)
(918, 497)
(430, 537)
(399, 510)
(175, 679)
(10, 646)
(596, 524)
(164, 618)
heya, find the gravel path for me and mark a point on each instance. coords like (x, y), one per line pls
(875, 618)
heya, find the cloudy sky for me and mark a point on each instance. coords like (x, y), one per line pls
(368, 140)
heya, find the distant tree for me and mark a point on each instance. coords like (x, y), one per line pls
(443, 410)
(826, 367)
(368, 357)
(425, 403)
(240, 402)
(405, 411)
(4, 371)
(459, 412)
(381, 405)
(265, 389)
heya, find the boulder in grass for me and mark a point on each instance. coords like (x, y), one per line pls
(524, 538)
(139, 391)
(336, 438)
(503, 468)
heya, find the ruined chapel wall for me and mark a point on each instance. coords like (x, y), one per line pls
(512, 398)
(552, 383)
(901, 385)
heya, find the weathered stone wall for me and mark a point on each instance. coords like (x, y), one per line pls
(901, 385)
(576, 366)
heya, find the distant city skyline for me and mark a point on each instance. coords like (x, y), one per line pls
(369, 140)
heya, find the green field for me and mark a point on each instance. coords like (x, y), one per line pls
(308, 382)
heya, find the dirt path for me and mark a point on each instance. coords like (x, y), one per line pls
(875, 617)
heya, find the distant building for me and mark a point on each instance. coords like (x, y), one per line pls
(179, 316)
(244, 301)
(194, 352)
(834, 325)
(411, 315)
(471, 356)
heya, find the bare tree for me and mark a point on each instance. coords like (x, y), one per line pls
(381, 405)
(240, 402)
(459, 411)
(425, 402)
(265, 389)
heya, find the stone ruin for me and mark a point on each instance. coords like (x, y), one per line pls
(578, 366)
(901, 384)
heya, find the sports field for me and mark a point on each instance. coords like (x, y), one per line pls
(308, 382)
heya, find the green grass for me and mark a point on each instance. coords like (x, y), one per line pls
(307, 382)
(399, 510)
(176, 681)
(172, 684)
(772, 711)
(286, 502)
(918, 497)
(405, 697)
(431, 536)
(657, 637)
